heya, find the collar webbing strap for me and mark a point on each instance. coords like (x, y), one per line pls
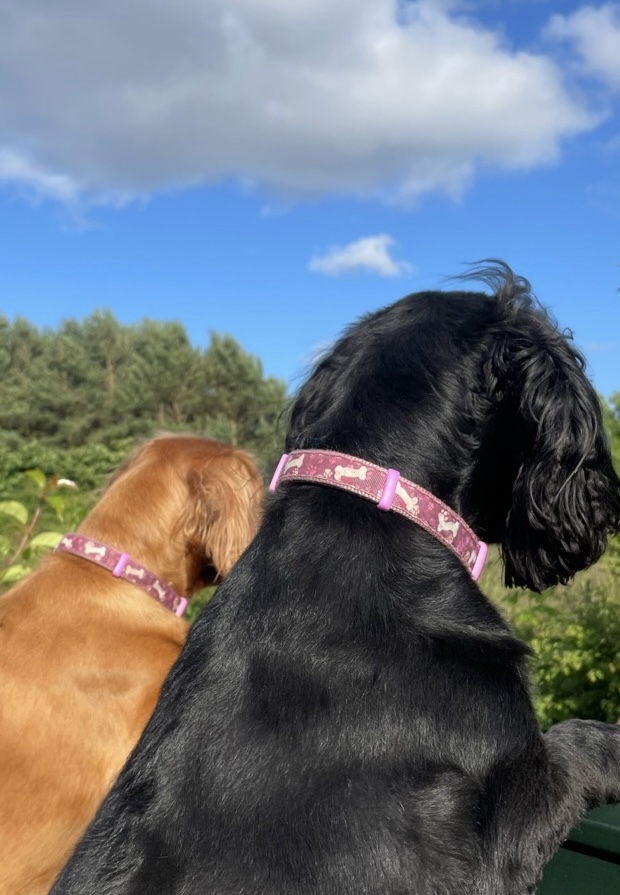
(121, 565)
(390, 491)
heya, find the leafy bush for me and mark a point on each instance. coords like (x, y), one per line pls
(575, 634)
(87, 466)
(28, 529)
(198, 603)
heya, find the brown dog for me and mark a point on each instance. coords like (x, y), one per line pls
(83, 653)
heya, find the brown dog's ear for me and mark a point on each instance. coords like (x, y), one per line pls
(226, 496)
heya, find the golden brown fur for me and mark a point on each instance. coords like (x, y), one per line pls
(83, 654)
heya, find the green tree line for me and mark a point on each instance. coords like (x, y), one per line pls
(74, 402)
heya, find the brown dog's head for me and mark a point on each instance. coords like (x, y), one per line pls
(185, 506)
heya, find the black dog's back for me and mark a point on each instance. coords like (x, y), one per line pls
(350, 714)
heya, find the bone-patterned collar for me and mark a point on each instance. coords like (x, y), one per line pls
(390, 492)
(123, 566)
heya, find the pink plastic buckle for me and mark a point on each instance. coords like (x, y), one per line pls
(274, 481)
(119, 568)
(183, 601)
(389, 490)
(480, 561)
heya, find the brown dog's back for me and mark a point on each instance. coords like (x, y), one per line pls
(83, 654)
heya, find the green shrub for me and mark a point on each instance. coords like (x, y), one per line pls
(32, 525)
(198, 602)
(575, 634)
(87, 465)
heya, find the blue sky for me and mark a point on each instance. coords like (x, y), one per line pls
(272, 169)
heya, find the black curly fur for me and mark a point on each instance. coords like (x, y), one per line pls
(350, 714)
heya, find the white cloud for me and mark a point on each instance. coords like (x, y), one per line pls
(366, 97)
(15, 168)
(595, 33)
(371, 254)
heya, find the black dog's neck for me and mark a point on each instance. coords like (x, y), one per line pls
(375, 572)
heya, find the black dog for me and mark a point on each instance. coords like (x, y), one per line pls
(350, 715)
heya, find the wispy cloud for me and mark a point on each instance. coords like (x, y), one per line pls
(17, 169)
(370, 254)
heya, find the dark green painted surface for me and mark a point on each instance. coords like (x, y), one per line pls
(572, 874)
(596, 873)
(601, 829)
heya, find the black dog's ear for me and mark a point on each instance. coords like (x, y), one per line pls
(566, 495)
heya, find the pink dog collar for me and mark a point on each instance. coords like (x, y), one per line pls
(390, 492)
(123, 566)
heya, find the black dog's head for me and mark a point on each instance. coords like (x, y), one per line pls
(479, 398)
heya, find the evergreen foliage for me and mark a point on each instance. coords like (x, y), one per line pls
(73, 401)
